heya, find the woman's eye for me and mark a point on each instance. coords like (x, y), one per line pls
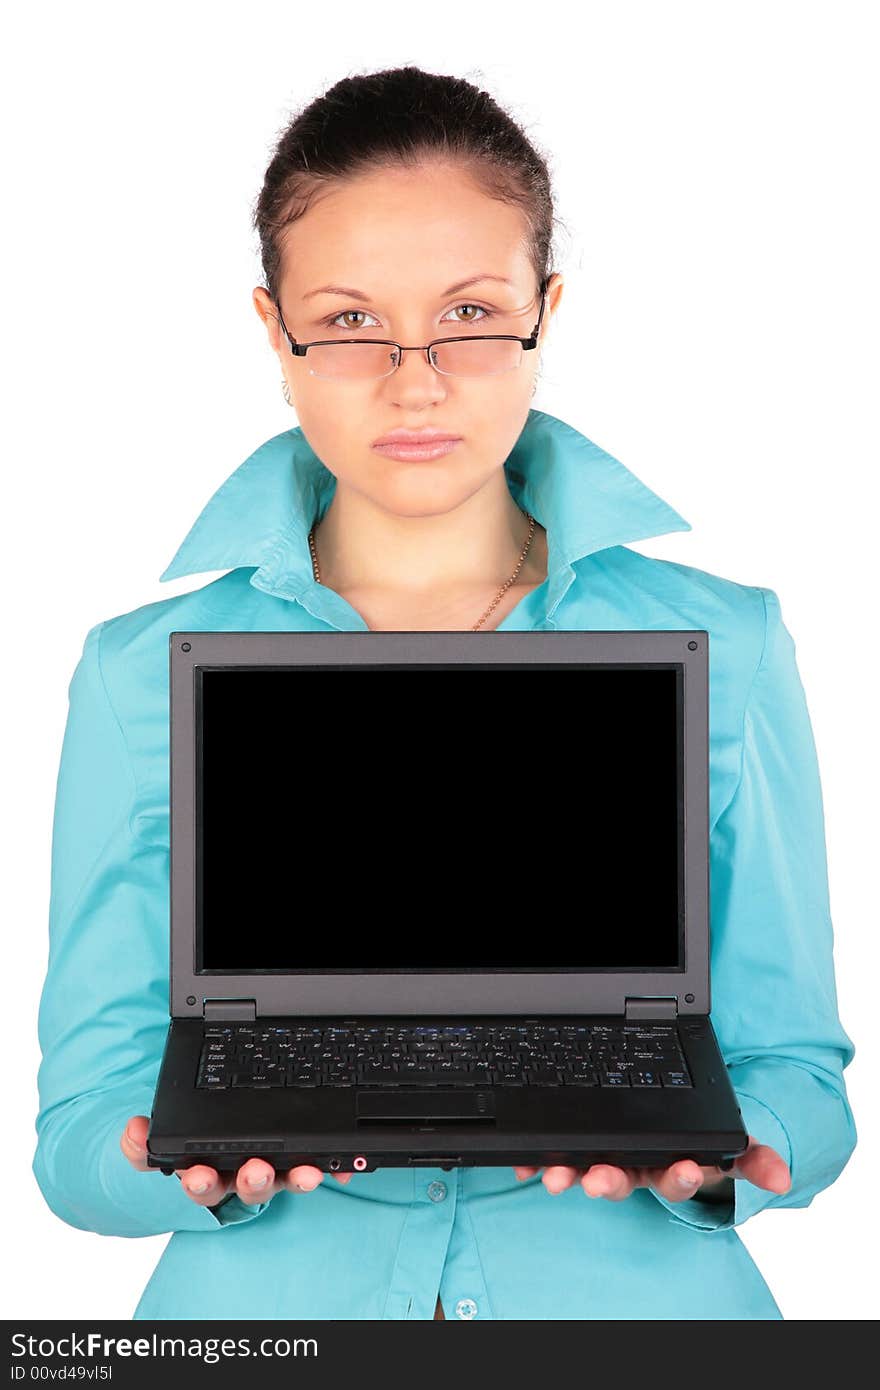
(331, 323)
(470, 318)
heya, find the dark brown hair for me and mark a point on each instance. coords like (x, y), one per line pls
(402, 116)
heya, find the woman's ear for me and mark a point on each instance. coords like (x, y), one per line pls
(269, 314)
(555, 286)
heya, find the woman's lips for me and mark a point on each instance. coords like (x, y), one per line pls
(414, 452)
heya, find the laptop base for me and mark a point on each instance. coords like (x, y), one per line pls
(359, 1128)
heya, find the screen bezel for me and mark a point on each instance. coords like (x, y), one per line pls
(406, 992)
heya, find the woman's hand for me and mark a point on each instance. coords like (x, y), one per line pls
(759, 1165)
(256, 1180)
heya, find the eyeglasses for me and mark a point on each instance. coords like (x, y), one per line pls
(372, 358)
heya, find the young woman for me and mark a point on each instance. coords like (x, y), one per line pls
(405, 224)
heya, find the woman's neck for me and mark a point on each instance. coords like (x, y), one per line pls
(447, 557)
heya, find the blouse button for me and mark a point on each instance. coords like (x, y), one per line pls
(466, 1308)
(437, 1191)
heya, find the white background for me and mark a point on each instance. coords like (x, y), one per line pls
(716, 175)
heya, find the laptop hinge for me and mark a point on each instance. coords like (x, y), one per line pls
(238, 1010)
(644, 1006)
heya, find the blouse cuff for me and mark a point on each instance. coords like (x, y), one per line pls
(706, 1215)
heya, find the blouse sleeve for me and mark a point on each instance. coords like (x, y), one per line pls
(773, 993)
(103, 1013)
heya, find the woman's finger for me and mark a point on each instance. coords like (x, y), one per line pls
(203, 1184)
(557, 1177)
(763, 1167)
(134, 1143)
(678, 1182)
(607, 1180)
(255, 1181)
(305, 1177)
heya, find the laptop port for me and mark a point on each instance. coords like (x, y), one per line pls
(335, 1164)
(434, 1161)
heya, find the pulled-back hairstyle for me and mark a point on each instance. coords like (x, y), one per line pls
(402, 117)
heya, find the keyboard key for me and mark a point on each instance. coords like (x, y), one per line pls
(446, 1078)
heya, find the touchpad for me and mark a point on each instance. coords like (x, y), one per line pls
(402, 1107)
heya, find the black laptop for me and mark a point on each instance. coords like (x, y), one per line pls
(440, 898)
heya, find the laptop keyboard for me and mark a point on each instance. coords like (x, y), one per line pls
(259, 1056)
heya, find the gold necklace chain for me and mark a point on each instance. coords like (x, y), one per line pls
(501, 592)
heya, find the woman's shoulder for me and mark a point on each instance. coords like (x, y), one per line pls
(129, 651)
(651, 590)
(673, 580)
(227, 604)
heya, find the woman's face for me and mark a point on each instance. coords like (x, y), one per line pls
(401, 238)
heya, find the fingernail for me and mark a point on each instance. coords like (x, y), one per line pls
(685, 1182)
(258, 1182)
(303, 1188)
(197, 1187)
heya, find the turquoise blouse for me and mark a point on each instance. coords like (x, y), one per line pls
(387, 1243)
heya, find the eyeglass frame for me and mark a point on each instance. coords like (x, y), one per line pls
(300, 349)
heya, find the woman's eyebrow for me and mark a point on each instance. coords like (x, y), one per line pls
(358, 294)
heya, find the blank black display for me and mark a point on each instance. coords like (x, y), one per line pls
(360, 818)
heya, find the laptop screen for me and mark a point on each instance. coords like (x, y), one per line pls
(439, 818)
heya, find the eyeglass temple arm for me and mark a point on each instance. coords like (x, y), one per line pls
(284, 326)
(534, 338)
